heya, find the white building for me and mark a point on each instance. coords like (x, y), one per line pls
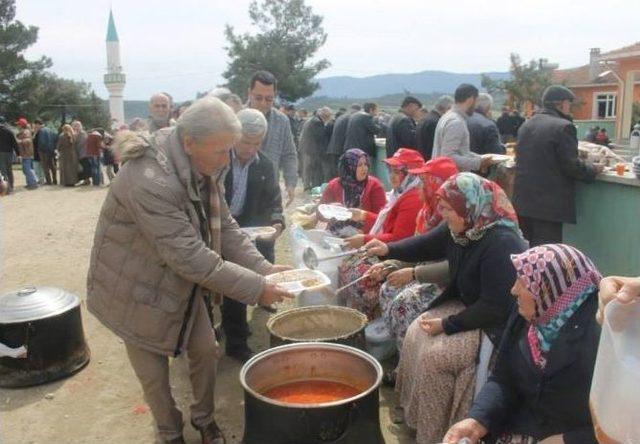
(114, 79)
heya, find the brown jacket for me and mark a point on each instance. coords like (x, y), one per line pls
(150, 255)
(25, 143)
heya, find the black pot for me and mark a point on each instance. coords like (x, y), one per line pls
(350, 421)
(318, 323)
(43, 325)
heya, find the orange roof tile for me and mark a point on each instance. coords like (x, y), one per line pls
(580, 76)
(621, 52)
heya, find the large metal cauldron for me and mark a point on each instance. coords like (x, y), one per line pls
(41, 336)
(319, 323)
(350, 421)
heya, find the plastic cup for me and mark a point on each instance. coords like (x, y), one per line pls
(620, 167)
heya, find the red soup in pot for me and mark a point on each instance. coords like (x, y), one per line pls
(311, 392)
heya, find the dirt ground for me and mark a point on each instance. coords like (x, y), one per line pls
(45, 239)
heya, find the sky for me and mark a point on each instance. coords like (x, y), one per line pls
(178, 46)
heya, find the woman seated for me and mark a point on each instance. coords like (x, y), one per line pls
(410, 290)
(356, 189)
(539, 390)
(438, 358)
(395, 221)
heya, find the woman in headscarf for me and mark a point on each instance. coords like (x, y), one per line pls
(68, 157)
(438, 358)
(356, 189)
(395, 221)
(411, 288)
(539, 390)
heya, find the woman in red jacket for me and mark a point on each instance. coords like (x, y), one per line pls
(396, 221)
(356, 189)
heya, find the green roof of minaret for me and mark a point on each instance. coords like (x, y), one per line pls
(112, 34)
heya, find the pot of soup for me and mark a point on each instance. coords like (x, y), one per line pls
(319, 323)
(312, 393)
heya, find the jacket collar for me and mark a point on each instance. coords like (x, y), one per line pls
(556, 113)
(169, 146)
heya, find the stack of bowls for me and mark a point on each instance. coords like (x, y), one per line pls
(635, 162)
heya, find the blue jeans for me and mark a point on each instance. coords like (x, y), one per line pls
(96, 170)
(29, 174)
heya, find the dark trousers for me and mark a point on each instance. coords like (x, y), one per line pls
(48, 163)
(539, 232)
(234, 313)
(329, 167)
(85, 163)
(6, 164)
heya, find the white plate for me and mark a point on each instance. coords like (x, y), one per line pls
(334, 212)
(259, 232)
(294, 280)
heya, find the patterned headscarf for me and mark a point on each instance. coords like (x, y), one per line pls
(347, 166)
(433, 174)
(560, 278)
(482, 204)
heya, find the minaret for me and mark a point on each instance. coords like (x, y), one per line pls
(114, 79)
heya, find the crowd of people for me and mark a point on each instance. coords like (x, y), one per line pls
(494, 317)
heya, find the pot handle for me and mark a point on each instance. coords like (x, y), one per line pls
(16, 353)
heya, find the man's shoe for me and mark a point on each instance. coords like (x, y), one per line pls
(210, 434)
(242, 354)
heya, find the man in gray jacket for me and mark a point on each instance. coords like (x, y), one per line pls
(452, 135)
(164, 242)
(278, 144)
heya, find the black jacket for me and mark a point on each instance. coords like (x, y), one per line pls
(8, 142)
(425, 131)
(521, 398)
(401, 133)
(338, 136)
(506, 125)
(547, 166)
(313, 138)
(361, 132)
(263, 203)
(483, 135)
(480, 274)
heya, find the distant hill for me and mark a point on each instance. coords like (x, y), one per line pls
(425, 82)
(135, 108)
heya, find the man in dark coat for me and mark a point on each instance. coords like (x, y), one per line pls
(402, 128)
(313, 146)
(426, 128)
(483, 132)
(254, 200)
(361, 130)
(339, 134)
(8, 150)
(547, 167)
(506, 127)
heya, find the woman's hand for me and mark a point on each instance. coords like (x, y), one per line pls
(401, 277)
(378, 272)
(467, 428)
(555, 439)
(357, 215)
(279, 268)
(433, 327)
(624, 289)
(354, 242)
(376, 247)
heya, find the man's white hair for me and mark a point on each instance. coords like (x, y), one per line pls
(484, 102)
(325, 111)
(220, 92)
(253, 122)
(444, 103)
(208, 116)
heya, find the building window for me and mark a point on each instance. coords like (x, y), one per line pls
(605, 106)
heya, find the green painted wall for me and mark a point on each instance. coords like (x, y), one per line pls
(584, 125)
(608, 228)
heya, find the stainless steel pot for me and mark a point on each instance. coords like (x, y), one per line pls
(41, 336)
(349, 421)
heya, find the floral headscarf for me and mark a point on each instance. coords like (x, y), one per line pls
(482, 204)
(347, 166)
(433, 174)
(560, 278)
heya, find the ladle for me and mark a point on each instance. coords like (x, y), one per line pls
(311, 259)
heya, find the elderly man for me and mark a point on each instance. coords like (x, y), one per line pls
(164, 241)
(484, 136)
(452, 135)
(159, 112)
(402, 128)
(278, 144)
(44, 141)
(313, 146)
(81, 150)
(426, 129)
(362, 129)
(254, 200)
(544, 189)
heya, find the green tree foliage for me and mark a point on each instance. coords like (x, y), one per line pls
(26, 89)
(289, 34)
(527, 83)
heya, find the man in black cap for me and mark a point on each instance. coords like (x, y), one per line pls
(402, 128)
(547, 167)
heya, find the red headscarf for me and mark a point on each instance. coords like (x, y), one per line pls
(433, 174)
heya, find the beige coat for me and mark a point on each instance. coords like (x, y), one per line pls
(150, 255)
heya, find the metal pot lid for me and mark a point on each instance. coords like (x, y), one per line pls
(34, 303)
